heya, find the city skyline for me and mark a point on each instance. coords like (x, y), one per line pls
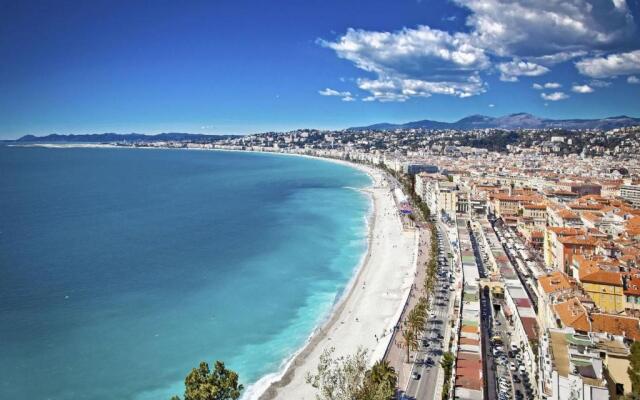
(245, 67)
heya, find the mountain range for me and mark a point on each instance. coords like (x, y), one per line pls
(116, 137)
(511, 121)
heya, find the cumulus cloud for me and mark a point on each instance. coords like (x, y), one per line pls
(548, 85)
(332, 92)
(555, 96)
(633, 80)
(611, 65)
(558, 30)
(518, 38)
(393, 89)
(582, 89)
(599, 84)
(510, 71)
(413, 62)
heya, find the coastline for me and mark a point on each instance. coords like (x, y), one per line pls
(376, 306)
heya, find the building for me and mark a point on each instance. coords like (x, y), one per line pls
(631, 194)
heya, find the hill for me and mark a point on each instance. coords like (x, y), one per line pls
(510, 122)
(115, 137)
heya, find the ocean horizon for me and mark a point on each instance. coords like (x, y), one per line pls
(124, 268)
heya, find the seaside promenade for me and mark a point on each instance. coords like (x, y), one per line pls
(367, 315)
(397, 353)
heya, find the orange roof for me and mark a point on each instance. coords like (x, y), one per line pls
(469, 371)
(573, 314)
(565, 230)
(628, 327)
(633, 286)
(567, 214)
(579, 240)
(599, 270)
(535, 207)
(554, 282)
(469, 329)
(473, 342)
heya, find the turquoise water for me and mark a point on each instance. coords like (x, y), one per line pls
(121, 269)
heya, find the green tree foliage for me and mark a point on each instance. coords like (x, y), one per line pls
(204, 384)
(410, 340)
(380, 382)
(347, 378)
(634, 369)
(447, 365)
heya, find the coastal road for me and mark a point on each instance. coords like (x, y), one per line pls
(425, 386)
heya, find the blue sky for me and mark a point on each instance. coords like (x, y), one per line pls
(247, 66)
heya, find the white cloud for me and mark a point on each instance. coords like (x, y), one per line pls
(599, 84)
(531, 35)
(611, 65)
(548, 85)
(555, 96)
(413, 62)
(348, 98)
(491, 105)
(633, 80)
(395, 89)
(557, 30)
(510, 71)
(332, 92)
(582, 89)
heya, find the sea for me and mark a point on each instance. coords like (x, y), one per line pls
(121, 269)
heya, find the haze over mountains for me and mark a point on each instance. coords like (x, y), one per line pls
(508, 122)
(116, 137)
(511, 121)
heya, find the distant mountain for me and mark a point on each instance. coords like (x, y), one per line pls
(115, 137)
(511, 121)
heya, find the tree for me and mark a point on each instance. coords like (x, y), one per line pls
(447, 365)
(347, 378)
(339, 378)
(204, 384)
(417, 318)
(634, 369)
(380, 382)
(410, 340)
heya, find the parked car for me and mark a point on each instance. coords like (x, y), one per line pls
(415, 376)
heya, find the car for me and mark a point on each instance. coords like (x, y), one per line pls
(430, 361)
(415, 375)
(512, 367)
(510, 353)
(516, 379)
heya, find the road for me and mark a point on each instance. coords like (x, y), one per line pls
(498, 226)
(494, 324)
(425, 386)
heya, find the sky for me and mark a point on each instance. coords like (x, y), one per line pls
(245, 66)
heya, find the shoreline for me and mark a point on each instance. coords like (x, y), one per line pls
(290, 382)
(290, 376)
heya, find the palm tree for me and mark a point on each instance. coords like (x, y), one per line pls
(416, 320)
(383, 373)
(410, 340)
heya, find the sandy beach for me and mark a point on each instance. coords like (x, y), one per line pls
(371, 307)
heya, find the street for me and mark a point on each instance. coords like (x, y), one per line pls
(427, 362)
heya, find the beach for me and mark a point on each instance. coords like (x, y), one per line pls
(369, 309)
